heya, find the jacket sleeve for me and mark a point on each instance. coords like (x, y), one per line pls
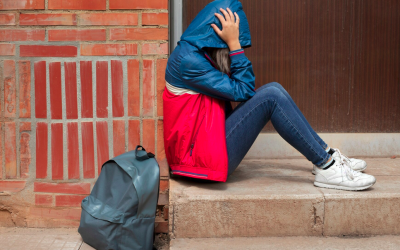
(200, 75)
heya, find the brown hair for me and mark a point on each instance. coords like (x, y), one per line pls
(221, 58)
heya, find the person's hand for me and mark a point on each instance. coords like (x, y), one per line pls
(230, 28)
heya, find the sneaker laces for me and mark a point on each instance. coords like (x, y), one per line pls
(345, 163)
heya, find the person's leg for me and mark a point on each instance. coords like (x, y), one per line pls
(247, 120)
(316, 136)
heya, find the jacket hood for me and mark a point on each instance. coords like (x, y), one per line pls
(200, 33)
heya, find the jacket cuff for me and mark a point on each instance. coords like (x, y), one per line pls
(237, 54)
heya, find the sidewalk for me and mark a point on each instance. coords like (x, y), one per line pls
(13, 238)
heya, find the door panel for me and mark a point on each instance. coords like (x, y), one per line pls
(339, 60)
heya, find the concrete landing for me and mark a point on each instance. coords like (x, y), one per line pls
(266, 198)
(289, 243)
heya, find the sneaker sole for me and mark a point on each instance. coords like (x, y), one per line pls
(324, 185)
(361, 170)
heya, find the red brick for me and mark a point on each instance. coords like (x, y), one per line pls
(77, 35)
(12, 186)
(7, 49)
(117, 88)
(10, 89)
(73, 150)
(1, 148)
(138, 34)
(25, 153)
(47, 51)
(149, 139)
(93, 19)
(10, 150)
(24, 72)
(166, 212)
(133, 134)
(161, 226)
(44, 212)
(119, 137)
(155, 49)
(88, 150)
(55, 90)
(22, 35)
(102, 89)
(22, 4)
(40, 90)
(108, 49)
(161, 66)
(47, 19)
(138, 4)
(102, 143)
(7, 19)
(25, 126)
(62, 188)
(155, 18)
(71, 90)
(161, 158)
(148, 87)
(69, 200)
(164, 185)
(41, 150)
(163, 199)
(133, 88)
(86, 89)
(43, 200)
(77, 5)
(57, 151)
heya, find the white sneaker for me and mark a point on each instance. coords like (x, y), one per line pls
(355, 164)
(341, 176)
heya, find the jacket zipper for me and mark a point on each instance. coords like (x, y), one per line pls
(195, 136)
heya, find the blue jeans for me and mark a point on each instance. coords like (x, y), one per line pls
(271, 102)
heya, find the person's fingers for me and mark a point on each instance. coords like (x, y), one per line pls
(231, 15)
(221, 18)
(237, 19)
(216, 29)
(227, 17)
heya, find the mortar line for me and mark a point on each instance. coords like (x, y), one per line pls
(64, 122)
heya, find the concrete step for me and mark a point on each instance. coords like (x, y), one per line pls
(289, 243)
(266, 198)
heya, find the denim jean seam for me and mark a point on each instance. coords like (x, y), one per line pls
(297, 130)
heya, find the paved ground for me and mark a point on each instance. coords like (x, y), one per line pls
(12, 238)
(289, 243)
(39, 239)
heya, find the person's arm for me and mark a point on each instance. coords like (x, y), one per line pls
(199, 75)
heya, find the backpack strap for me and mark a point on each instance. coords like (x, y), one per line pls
(143, 156)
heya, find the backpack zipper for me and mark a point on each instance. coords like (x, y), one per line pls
(195, 136)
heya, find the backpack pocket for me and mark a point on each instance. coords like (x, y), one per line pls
(100, 224)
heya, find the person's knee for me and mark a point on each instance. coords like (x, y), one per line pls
(272, 93)
(277, 85)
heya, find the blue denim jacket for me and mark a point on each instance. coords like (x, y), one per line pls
(190, 67)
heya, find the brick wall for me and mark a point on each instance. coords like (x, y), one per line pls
(82, 82)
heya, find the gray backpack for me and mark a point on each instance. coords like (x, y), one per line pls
(120, 211)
